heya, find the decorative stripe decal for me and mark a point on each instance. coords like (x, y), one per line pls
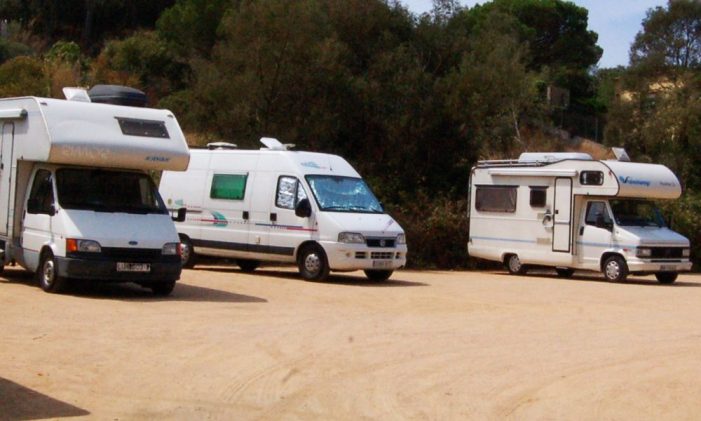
(511, 240)
(254, 248)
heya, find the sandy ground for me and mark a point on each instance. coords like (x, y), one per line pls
(425, 345)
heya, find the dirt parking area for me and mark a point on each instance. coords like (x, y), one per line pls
(424, 345)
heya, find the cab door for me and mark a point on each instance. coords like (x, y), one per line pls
(38, 216)
(595, 233)
(289, 230)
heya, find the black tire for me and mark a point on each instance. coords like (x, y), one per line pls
(312, 263)
(47, 274)
(378, 275)
(162, 289)
(666, 277)
(247, 265)
(615, 269)
(514, 266)
(187, 252)
(564, 272)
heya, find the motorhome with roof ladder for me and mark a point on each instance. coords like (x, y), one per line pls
(275, 204)
(568, 211)
(75, 198)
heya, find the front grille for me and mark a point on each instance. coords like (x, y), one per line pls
(381, 255)
(118, 254)
(380, 242)
(359, 254)
(666, 252)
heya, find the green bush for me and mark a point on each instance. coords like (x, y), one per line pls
(686, 219)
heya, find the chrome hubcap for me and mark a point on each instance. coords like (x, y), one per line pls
(612, 270)
(184, 252)
(48, 272)
(514, 264)
(312, 263)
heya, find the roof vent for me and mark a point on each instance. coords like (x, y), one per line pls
(117, 95)
(76, 94)
(273, 144)
(221, 145)
(549, 157)
(621, 154)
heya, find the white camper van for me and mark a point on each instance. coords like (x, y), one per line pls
(274, 204)
(75, 201)
(568, 211)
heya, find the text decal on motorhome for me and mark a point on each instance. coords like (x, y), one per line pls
(629, 180)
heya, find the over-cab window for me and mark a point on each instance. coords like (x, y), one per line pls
(591, 178)
(41, 197)
(538, 196)
(496, 198)
(144, 128)
(289, 192)
(228, 186)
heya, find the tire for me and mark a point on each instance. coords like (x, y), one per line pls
(247, 265)
(47, 274)
(666, 277)
(514, 266)
(162, 289)
(312, 263)
(378, 275)
(187, 252)
(564, 272)
(615, 269)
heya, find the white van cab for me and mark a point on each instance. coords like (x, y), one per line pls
(274, 204)
(75, 198)
(568, 211)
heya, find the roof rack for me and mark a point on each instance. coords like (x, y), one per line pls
(221, 145)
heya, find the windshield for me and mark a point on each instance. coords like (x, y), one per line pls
(107, 191)
(636, 213)
(343, 194)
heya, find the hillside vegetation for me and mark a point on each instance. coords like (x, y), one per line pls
(411, 101)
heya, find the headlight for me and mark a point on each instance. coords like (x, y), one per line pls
(401, 239)
(643, 252)
(74, 245)
(351, 237)
(686, 252)
(170, 249)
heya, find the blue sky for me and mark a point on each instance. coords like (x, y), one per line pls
(616, 21)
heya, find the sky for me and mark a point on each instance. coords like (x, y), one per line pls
(616, 21)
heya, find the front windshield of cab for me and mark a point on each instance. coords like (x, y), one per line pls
(638, 213)
(107, 191)
(343, 194)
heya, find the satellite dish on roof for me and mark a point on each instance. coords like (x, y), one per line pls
(621, 154)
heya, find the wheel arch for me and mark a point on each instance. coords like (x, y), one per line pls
(608, 254)
(304, 244)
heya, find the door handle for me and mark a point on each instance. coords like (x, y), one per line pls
(245, 215)
(273, 217)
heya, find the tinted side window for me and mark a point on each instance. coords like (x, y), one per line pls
(228, 186)
(594, 209)
(538, 196)
(41, 197)
(496, 198)
(289, 192)
(591, 178)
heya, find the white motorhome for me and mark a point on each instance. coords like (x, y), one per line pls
(568, 211)
(279, 205)
(75, 198)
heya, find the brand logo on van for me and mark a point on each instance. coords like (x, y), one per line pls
(633, 181)
(312, 164)
(157, 158)
(133, 243)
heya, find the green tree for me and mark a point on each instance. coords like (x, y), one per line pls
(23, 76)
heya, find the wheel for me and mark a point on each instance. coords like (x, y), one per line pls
(666, 277)
(514, 265)
(564, 272)
(187, 252)
(615, 269)
(162, 289)
(378, 275)
(47, 274)
(312, 262)
(247, 265)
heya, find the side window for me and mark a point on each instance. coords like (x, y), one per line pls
(496, 198)
(228, 186)
(591, 178)
(538, 196)
(41, 197)
(594, 209)
(289, 192)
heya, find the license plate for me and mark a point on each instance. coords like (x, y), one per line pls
(382, 264)
(133, 267)
(668, 267)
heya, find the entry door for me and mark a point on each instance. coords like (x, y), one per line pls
(562, 226)
(6, 141)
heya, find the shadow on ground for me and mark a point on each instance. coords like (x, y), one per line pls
(21, 403)
(584, 276)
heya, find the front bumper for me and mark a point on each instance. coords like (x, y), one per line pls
(344, 256)
(166, 269)
(636, 265)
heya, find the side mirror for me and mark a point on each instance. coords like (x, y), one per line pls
(182, 213)
(52, 210)
(303, 209)
(33, 206)
(601, 222)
